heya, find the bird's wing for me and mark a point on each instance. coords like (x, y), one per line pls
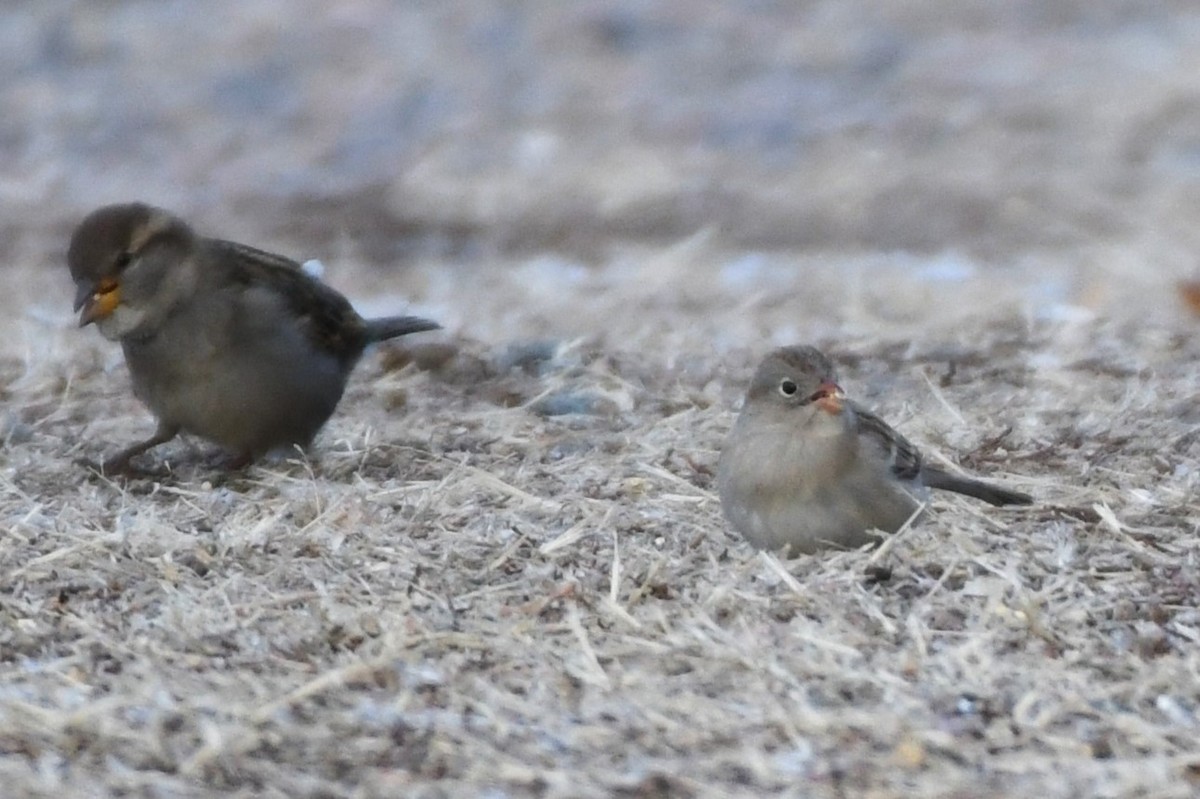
(902, 456)
(325, 317)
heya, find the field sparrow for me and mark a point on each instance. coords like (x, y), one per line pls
(805, 468)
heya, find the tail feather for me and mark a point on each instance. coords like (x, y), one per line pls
(992, 494)
(392, 326)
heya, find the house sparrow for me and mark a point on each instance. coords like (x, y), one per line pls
(806, 468)
(224, 341)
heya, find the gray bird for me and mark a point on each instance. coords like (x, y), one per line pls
(224, 341)
(804, 468)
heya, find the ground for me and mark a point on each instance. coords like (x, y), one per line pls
(501, 570)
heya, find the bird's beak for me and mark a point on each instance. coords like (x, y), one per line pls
(98, 301)
(828, 397)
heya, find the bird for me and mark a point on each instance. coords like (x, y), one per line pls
(229, 343)
(806, 468)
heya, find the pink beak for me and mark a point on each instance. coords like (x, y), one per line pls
(828, 397)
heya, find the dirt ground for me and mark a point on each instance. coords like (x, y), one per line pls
(501, 570)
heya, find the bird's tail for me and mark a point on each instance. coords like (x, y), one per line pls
(392, 326)
(992, 494)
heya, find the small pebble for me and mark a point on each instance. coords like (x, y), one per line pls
(530, 356)
(564, 403)
(14, 431)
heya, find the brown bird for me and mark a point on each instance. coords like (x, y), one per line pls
(805, 468)
(224, 341)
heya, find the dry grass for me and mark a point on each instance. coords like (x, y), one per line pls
(454, 594)
(502, 571)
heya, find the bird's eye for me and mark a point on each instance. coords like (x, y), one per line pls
(123, 260)
(787, 387)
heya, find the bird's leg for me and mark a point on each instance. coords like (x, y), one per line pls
(119, 463)
(239, 461)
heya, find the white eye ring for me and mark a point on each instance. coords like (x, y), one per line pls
(788, 387)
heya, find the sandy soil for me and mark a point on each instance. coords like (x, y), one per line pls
(501, 571)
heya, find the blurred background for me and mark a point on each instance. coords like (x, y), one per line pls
(693, 150)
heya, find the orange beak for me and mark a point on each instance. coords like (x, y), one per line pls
(97, 301)
(828, 397)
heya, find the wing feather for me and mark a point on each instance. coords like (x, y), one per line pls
(901, 454)
(325, 316)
